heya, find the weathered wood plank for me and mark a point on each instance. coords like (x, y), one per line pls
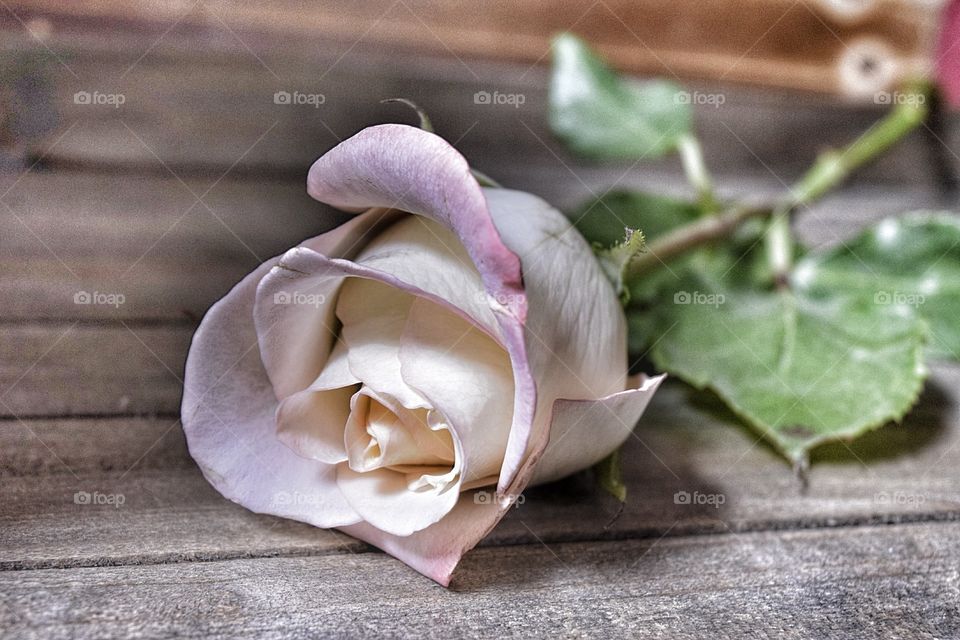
(137, 237)
(209, 112)
(900, 474)
(70, 369)
(772, 42)
(141, 517)
(864, 582)
(148, 242)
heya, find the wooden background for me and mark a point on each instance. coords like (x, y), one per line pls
(170, 197)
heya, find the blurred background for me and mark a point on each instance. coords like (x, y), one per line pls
(171, 129)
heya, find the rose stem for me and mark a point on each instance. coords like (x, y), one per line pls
(691, 156)
(830, 169)
(834, 166)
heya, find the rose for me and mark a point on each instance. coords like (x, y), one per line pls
(473, 344)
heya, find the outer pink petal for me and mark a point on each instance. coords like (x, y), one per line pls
(436, 550)
(228, 418)
(402, 167)
(948, 54)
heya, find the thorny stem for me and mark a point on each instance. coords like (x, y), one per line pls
(691, 236)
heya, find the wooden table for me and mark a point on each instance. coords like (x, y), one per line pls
(171, 197)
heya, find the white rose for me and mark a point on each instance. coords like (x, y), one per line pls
(447, 339)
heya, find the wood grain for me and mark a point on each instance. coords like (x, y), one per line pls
(180, 112)
(144, 237)
(901, 474)
(770, 42)
(863, 582)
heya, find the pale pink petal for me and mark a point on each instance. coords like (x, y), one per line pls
(467, 377)
(402, 167)
(228, 418)
(436, 550)
(575, 333)
(583, 432)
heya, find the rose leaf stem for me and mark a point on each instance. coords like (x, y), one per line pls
(691, 236)
(691, 157)
(833, 167)
(829, 170)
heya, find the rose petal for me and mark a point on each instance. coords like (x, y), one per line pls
(583, 432)
(467, 377)
(427, 255)
(382, 499)
(296, 337)
(373, 316)
(436, 550)
(402, 167)
(228, 418)
(575, 332)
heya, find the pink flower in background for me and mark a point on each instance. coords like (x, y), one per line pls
(947, 61)
(405, 376)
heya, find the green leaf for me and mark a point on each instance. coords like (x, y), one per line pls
(609, 476)
(802, 370)
(601, 115)
(909, 264)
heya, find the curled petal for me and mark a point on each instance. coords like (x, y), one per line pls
(475, 399)
(228, 418)
(402, 167)
(575, 333)
(583, 432)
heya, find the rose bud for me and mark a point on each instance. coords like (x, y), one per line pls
(450, 339)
